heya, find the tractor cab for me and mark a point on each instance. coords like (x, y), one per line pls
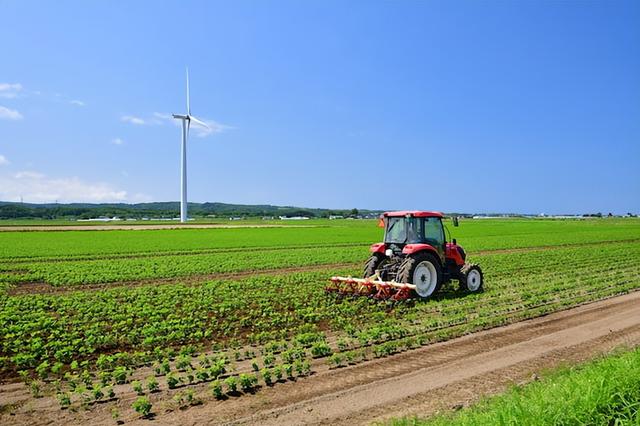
(414, 228)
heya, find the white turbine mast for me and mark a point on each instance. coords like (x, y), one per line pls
(186, 124)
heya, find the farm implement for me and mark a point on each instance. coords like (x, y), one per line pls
(414, 260)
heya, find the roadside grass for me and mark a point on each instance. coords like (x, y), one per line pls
(601, 392)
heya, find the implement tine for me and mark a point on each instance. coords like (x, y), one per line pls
(372, 285)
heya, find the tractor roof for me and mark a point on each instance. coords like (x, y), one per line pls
(414, 213)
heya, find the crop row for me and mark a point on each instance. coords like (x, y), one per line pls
(68, 244)
(130, 269)
(279, 358)
(474, 234)
(93, 271)
(80, 326)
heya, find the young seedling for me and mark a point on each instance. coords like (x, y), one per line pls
(269, 360)
(190, 397)
(336, 360)
(98, 394)
(288, 369)
(120, 375)
(137, 387)
(64, 400)
(165, 367)
(35, 388)
(143, 406)
(216, 389)
(152, 384)
(109, 392)
(232, 384)
(248, 382)
(115, 414)
(183, 362)
(172, 381)
(277, 373)
(202, 374)
(266, 376)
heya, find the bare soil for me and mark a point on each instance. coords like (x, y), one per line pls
(418, 382)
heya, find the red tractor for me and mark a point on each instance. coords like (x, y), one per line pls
(415, 259)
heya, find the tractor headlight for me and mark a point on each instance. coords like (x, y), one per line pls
(388, 252)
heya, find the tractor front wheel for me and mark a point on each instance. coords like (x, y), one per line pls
(424, 271)
(471, 278)
(373, 264)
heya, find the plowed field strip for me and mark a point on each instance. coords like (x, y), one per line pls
(359, 393)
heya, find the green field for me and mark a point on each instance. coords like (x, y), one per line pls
(160, 302)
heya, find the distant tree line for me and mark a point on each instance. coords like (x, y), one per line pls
(159, 210)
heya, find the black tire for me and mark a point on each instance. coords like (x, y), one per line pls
(469, 280)
(408, 269)
(372, 264)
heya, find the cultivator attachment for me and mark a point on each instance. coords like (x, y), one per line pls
(372, 286)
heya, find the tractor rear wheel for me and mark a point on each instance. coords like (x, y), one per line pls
(471, 278)
(424, 271)
(373, 264)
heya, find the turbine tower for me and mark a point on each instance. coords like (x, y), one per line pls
(186, 124)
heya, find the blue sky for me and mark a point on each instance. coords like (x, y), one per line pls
(456, 106)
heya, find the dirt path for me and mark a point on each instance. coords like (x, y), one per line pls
(420, 381)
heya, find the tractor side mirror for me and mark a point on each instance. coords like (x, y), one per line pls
(455, 220)
(455, 242)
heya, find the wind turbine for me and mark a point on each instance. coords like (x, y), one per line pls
(186, 123)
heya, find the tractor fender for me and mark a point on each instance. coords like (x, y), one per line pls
(415, 248)
(452, 252)
(378, 248)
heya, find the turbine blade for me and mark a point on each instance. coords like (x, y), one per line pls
(199, 122)
(188, 126)
(188, 103)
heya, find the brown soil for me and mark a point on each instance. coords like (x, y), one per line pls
(421, 381)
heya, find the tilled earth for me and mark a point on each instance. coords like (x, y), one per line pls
(423, 381)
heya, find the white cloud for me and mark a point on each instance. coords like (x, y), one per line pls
(133, 120)
(117, 141)
(9, 90)
(77, 102)
(163, 116)
(8, 86)
(38, 188)
(3, 160)
(9, 114)
(28, 175)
